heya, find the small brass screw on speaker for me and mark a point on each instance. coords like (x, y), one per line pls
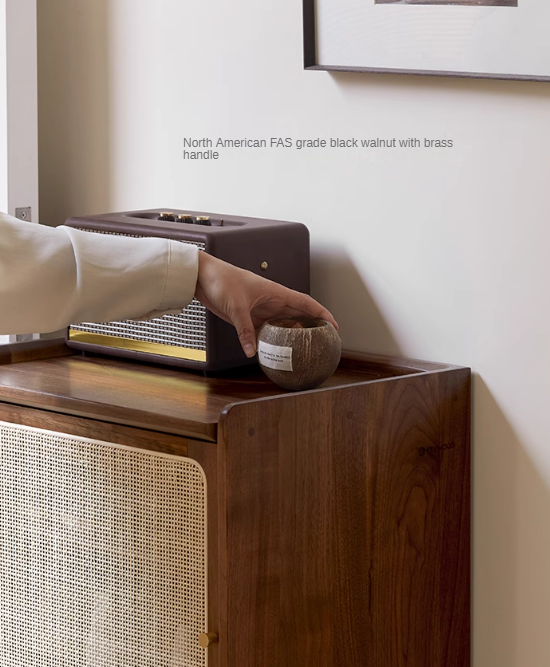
(206, 639)
(264, 266)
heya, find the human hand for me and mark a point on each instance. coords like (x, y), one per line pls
(246, 300)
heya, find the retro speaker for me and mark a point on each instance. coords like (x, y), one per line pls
(153, 518)
(195, 338)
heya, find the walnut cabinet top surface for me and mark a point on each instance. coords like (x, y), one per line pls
(48, 375)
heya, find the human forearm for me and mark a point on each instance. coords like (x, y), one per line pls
(50, 277)
(247, 300)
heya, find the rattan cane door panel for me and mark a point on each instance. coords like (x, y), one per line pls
(102, 554)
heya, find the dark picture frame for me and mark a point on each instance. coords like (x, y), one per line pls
(469, 3)
(310, 43)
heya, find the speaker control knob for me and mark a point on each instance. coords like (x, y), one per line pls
(206, 639)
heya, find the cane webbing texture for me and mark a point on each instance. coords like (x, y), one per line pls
(102, 554)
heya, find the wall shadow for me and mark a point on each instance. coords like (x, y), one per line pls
(336, 282)
(495, 452)
(73, 108)
(417, 84)
(511, 543)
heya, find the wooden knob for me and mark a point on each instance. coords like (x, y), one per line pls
(207, 638)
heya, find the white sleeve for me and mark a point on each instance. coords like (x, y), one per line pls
(51, 277)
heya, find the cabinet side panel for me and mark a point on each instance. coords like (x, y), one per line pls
(249, 521)
(343, 512)
(418, 474)
(454, 611)
(307, 521)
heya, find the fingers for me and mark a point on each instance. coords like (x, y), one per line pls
(304, 304)
(247, 300)
(242, 322)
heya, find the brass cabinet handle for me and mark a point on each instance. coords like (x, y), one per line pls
(207, 638)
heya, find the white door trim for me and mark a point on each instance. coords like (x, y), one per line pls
(18, 107)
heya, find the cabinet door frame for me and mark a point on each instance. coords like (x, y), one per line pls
(202, 452)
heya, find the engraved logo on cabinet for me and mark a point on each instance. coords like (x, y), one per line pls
(435, 449)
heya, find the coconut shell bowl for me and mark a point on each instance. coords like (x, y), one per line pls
(298, 353)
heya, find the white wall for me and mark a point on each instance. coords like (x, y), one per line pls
(439, 255)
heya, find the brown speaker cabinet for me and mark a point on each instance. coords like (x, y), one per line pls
(337, 530)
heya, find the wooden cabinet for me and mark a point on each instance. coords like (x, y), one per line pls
(337, 520)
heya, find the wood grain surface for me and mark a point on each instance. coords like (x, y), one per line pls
(12, 353)
(155, 397)
(97, 430)
(347, 526)
(206, 454)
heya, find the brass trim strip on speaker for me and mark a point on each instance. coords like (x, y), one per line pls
(137, 345)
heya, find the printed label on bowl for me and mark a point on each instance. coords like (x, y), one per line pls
(275, 356)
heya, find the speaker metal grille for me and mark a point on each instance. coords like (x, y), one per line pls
(102, 554)
(186, 329)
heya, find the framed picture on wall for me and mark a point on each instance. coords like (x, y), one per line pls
(499, 39)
